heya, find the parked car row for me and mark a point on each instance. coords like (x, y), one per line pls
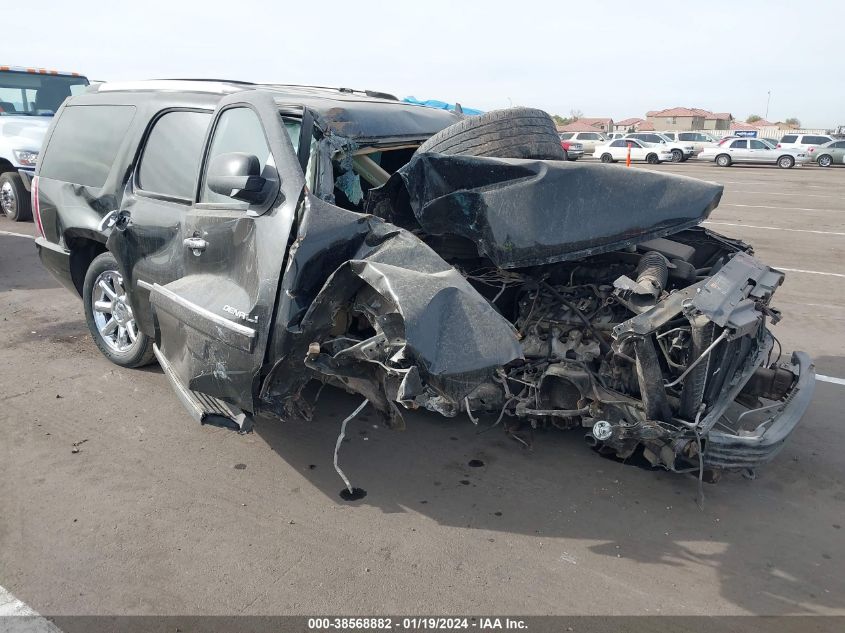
(676, 147)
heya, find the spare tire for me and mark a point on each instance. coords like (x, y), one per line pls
(510, 133)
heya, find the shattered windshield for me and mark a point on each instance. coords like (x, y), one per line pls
(35, 94)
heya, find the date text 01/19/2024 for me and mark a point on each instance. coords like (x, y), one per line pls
(419, 623)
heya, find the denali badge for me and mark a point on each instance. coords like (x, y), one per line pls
(240, 314)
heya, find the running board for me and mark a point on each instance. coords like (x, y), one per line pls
(202, 407)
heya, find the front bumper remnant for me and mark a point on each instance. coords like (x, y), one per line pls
(731, 452)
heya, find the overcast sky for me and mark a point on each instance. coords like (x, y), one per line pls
(605, 58)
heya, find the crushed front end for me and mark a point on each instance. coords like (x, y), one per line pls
(549, 295)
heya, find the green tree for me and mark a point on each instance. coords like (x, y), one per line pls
(574, 115)
(793, 121)
(753, 118)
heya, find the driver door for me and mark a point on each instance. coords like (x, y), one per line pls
(214, 321)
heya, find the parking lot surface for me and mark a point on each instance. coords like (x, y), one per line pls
(116, 502)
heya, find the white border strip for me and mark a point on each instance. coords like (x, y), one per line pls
(831, 379)
(13, 234)
(11, 607)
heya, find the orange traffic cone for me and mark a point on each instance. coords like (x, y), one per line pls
(628, 158)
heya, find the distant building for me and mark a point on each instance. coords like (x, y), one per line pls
(628, 125)
(763, 123)
(688, 119)
(588, 124)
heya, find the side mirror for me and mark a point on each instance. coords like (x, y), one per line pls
(237, 175)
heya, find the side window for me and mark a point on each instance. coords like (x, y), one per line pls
(758, 145)
(171, 159)
(687, 136)
(815, 140)
(566, 136)
(839, 145)
(618, 144)
(238, 130)
(739, 145)
(789, 138)
(85, 142)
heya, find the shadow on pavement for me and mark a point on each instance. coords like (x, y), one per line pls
(448, 471)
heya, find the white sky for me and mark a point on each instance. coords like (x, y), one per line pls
(603, 57)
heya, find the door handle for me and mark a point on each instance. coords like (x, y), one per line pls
(195, 244)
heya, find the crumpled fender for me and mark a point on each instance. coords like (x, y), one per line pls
(452, 335)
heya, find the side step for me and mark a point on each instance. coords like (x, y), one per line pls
(203, 408)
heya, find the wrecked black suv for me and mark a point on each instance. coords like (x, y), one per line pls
(254, 238)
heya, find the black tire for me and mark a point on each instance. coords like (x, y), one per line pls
(677, 156)
(566, 155)
(141, 351)
(510, 133)
(723, 160)
(14, 198)
(571, 159)
(652, 159)
(606, 158)
(786, 162)
(825, 160)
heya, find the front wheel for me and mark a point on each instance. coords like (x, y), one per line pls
(786, 162)
(677, 156)
(723, 160)
(14, 198)
(652, 159)
(109, 315)
(606, 158)
(825, 160)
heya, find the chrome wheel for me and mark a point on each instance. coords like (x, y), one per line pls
(8, 199)
(112, 313)
(825, 161)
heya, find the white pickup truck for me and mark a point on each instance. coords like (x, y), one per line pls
(29, 97)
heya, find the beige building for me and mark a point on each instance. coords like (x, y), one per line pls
(688, 119)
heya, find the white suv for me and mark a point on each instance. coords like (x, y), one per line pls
(680, 151)
(699, 140)
(805, 142)
(588, 139)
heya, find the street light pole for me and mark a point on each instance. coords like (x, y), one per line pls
(768, 100)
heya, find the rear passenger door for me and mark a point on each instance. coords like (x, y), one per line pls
(147, 236)
(214, 320)
(738, 150)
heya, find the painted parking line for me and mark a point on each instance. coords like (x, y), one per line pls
(772, 193)
(809, 272)
(773, 228)
(19, 616)
(13, 234)
(831, 379)
(763, 206)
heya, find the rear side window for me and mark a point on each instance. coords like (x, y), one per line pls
(171, 159)
(566, 136)
(687, 136)
(740, 145)
(789, 138)
(85, 142)
(815, 140)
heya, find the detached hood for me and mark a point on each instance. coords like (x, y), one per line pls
(530, 212)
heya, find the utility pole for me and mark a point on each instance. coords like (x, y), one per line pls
(768, 100)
